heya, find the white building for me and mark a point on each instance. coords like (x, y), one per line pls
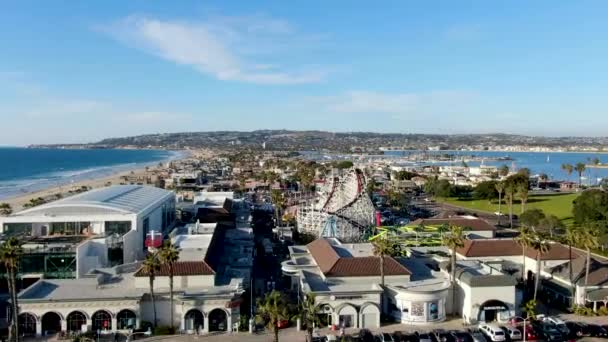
(102, 227)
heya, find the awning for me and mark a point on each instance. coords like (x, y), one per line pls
(598, 295)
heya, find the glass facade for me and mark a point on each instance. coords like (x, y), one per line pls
(70, 228)
(117, 227)
(21, 229)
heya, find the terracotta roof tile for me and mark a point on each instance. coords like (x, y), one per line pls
(331, 264)
(510, 247)
(181, 268)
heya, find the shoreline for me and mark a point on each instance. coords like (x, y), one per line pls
(114, 175)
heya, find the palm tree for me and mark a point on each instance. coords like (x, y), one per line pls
(442, 229)
(276, 196)
(572, 236)
(568, 168)
(580, 168)
(382, 248)
(588, 239)
(272, 309)
(524, 239)
(454, 240)
(150, 267)
(500, 188)
(309, 310)
(169, 254)
(509, 195)
(10, 256)
(541, 245)
(522, 193)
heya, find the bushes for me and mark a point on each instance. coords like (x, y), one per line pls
(585, 311)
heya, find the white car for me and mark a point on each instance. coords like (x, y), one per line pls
(493, 332)
(514, 333)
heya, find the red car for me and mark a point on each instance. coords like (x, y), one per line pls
(531, 334)
(282, 324)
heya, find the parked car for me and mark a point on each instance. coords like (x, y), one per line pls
(404, 337)
(516, 320)
(444, 336)
(461, 336)
(366, 335)
(548, 331)
(507, 336)
(478, 336)
(530, 332)
(425, 337)
(493, 332)
(576, 329)
(284, 323)
(384, 337)
(596, 330)
(513, 333)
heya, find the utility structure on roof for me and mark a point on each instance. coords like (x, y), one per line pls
(342, 209)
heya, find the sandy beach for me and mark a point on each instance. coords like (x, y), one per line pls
(134, 176)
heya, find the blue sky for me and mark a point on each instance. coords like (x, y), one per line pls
(81, 71)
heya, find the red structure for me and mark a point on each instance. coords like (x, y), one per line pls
(378, 219)
(154, 239)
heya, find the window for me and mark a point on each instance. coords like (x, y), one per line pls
(117, 227)
(125, 320)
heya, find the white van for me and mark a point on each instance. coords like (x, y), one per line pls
(493, 332)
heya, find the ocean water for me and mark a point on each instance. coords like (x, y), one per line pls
(24, 170)
(538, 162)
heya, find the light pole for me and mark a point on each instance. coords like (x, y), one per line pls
(525, 324)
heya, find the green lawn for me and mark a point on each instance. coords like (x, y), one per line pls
(559, 205)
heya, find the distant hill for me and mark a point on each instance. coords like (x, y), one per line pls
(320, 140)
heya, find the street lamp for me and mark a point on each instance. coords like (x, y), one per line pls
(525, 324)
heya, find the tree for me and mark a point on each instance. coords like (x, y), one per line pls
(169, 254)
(382, 248)
(580, 168)
(10, 256)
(442, 229)
(150, 266)
(503, 170)
(530, 308)
(509, 195)
(531, 218)
(568, 168)
(591, 206)
(454, 240)
(443, 188)
(524, 239)
(550, 224)
(571, 238)
(309, 310)
(272, 309)
(5, 209)
(588, 240)
(344, 164)
(522, 193)
(486, 190)
(500, 188)
(541, 245)
(276, 196)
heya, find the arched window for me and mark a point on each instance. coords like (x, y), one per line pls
(126, 320)
(27, 324)
(75, 321)
(194, 320)
(102, 320)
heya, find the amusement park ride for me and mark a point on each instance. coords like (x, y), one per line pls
(342, 209)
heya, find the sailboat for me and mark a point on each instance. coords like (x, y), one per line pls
(548, 159)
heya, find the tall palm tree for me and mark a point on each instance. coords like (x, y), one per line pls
(150, 267)
(522, 193)
(169, 254)
(541, 245)
(455, 239)
(524, 239)
(572, 235)
(568, 168)
(309, 310)
(509, 195)
(500, 188)
(10, 256)
(588, 239)
(272, 309)
(580, 168)
(382, 248)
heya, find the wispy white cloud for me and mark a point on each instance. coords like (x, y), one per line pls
(397, 104)
(228, 48)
